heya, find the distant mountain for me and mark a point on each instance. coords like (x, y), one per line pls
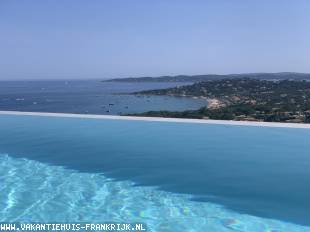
(200, 78)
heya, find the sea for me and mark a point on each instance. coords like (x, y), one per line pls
(90, 96)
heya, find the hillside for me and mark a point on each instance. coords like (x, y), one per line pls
(200, 78)
(244, 99)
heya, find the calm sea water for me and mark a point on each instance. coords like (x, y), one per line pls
(93, 97)
(171, 176)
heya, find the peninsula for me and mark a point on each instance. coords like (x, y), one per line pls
(243, 99)
(207, 77)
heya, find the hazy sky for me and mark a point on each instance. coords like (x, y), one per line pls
(121, 38)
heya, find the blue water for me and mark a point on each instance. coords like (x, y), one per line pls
(94, 97)
(171, 176)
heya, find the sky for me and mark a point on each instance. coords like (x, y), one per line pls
(61, 39)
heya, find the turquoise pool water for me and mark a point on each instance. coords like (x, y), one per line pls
(170, 176)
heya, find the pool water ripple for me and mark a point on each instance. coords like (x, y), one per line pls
(38, 192)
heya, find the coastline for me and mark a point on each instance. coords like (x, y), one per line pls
(159, 119)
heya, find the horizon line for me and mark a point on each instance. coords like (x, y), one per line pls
(143, 76)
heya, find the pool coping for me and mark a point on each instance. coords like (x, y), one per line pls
(160, 119)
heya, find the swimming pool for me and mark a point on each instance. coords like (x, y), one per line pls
(170, 176)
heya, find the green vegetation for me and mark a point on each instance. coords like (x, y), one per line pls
(200, 78)
(244, 99)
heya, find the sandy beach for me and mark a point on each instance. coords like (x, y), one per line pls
(214, 103)
(157, 119)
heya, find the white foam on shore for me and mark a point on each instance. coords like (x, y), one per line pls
(160, 119)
